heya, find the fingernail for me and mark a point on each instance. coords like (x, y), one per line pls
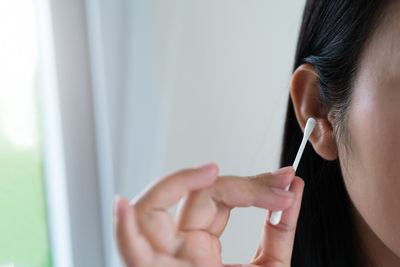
(116, 210)
(283, 171)
(281, 192)
(206, 167)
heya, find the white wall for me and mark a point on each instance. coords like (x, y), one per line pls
(190, 82)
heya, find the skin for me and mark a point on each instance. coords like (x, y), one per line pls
(370, 157)
(148, 236)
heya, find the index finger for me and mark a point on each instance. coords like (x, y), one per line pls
(203, 209)
(254, 191)
(168, 191)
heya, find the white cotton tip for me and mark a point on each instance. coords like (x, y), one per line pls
(275, 217)
(307, 132)
(310, 125)
(309, 128)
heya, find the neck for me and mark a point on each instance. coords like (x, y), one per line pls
(378, 253)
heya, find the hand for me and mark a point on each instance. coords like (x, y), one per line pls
(147, 235)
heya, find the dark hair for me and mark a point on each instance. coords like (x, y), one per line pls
(332, 36)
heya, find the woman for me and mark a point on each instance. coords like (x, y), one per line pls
(347, 76)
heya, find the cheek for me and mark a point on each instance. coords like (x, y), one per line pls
(372, 172)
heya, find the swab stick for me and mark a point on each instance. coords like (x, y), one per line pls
(276, 215)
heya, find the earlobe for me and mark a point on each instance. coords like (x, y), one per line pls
(307, 102)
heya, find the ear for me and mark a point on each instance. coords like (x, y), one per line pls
(307, 103)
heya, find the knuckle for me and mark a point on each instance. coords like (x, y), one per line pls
(221, 183)
(260, 179)
(218, 188)
(271, 260)
(283, 227)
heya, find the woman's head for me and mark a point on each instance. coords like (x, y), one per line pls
(346, 76)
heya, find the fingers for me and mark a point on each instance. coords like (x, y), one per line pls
(277, 241)
(209, 209)
(169, 190)
(199, 211)
(255, 191)
(133, 247)
(240, 265)
(156, 224)
(280, 178)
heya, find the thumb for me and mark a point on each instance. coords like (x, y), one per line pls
(277, 241)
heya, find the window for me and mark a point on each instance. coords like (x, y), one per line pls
(24, 237)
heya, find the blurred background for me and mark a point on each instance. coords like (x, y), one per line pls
(100, 97)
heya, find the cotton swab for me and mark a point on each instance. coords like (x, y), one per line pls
(276, 215)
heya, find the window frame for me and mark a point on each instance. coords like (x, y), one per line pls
(68, 132)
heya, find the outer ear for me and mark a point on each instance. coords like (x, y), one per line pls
(307, 103)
